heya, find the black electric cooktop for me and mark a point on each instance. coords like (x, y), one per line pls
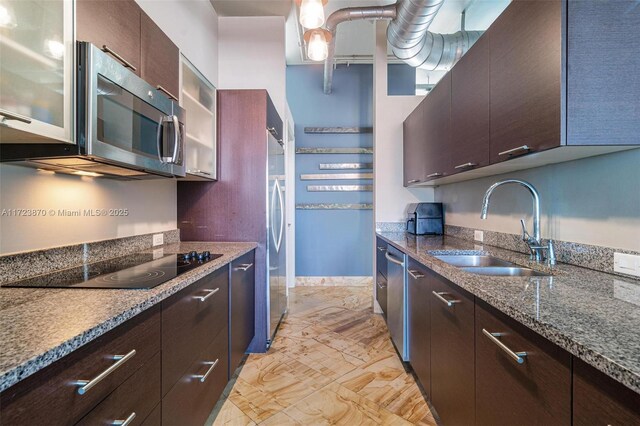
(134, 271)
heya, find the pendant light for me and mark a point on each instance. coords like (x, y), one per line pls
(312, 13)
(317, 44)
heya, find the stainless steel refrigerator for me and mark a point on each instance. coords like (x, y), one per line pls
(276, 228)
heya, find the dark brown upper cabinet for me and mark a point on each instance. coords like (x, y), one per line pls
(470, 108)
(437, 121)
(115, 24)
(160, 58)
(525, 58)
(414, 146)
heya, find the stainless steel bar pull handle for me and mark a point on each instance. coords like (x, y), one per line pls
(435, 175)
(465, 165)
(382, 287)
(416, 275)
(8, 115)
(413, 181)
(515, 150)
(243, 267)
(393, 259)
(519, 357)
(210, 292)
(382, 248)
(203, 377)
(202, 172)
(124, 62)
(85, 385)
(125, 422)
(166, 92)
(440, 294)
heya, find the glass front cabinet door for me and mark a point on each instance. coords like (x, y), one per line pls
(36, 71)
(198, 98)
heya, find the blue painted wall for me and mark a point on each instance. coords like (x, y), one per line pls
(401, 80)
(332, 242)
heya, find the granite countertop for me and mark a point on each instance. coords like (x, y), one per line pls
(593, 315)
(38, 326)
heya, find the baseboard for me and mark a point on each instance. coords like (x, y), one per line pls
(344, 281)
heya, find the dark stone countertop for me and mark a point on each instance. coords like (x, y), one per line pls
(38, 326)
(593, 315)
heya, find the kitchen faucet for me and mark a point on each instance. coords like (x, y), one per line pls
(533, 242)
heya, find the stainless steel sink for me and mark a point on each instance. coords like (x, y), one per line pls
(465, 260)
(505, 271)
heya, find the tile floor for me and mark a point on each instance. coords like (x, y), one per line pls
(332, 362)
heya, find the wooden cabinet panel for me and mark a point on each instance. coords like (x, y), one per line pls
(190, 323)
(419, 323)
(159, 58)
(114, 23)
(535, 392)
(381, 261)
(155, 418)
(525, 47)
(47, 398)
(600, 400)
(452, 352)
(602, 111)
(381, 292)
(470, 108)
(193, 397)
(138, 395)
(414, 146)
(437, 118)
(242, 308)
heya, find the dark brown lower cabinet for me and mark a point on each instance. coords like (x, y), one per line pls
(600, 400)
(381, 292)
(452, 352)
(155, 418)
(192, 398)
(521, 377)
(241, 308)
(419, 323)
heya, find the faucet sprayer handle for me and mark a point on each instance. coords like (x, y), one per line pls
(525, 234)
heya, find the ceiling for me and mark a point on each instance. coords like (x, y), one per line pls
(355, 41)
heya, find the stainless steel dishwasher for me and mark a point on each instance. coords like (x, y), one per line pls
(396, 299)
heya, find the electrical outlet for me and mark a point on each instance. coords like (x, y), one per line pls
(478, 235)
(158, 239)
(626, 264)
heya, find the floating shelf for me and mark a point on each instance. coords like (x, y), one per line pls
(334, 151)
(334, 206)
(338, 130)
(336, 176)
(345, 166)
(340, 188)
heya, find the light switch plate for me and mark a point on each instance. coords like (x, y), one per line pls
(478, 235)
(626, 264)
(158, 239)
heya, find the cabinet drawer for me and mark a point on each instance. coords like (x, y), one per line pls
(135, 398)
(600, 400)
(190, 320)
(533, 390)
(242, 308)
(195, 394)
(48, 397)
(381, 261)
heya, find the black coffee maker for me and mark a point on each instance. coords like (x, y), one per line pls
(425, 219)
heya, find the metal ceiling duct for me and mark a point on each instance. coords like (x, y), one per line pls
(344, 15)
(407, 34)
(412, 43)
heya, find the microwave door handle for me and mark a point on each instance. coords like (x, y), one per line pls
(159, 139)
(271, 214)
(281, 202)
(176, 138)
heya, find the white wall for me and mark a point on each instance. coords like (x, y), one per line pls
(192, 25)
(252, 56)
(592, 201)
(390, 197)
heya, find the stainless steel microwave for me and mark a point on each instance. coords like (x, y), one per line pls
(126, 128)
